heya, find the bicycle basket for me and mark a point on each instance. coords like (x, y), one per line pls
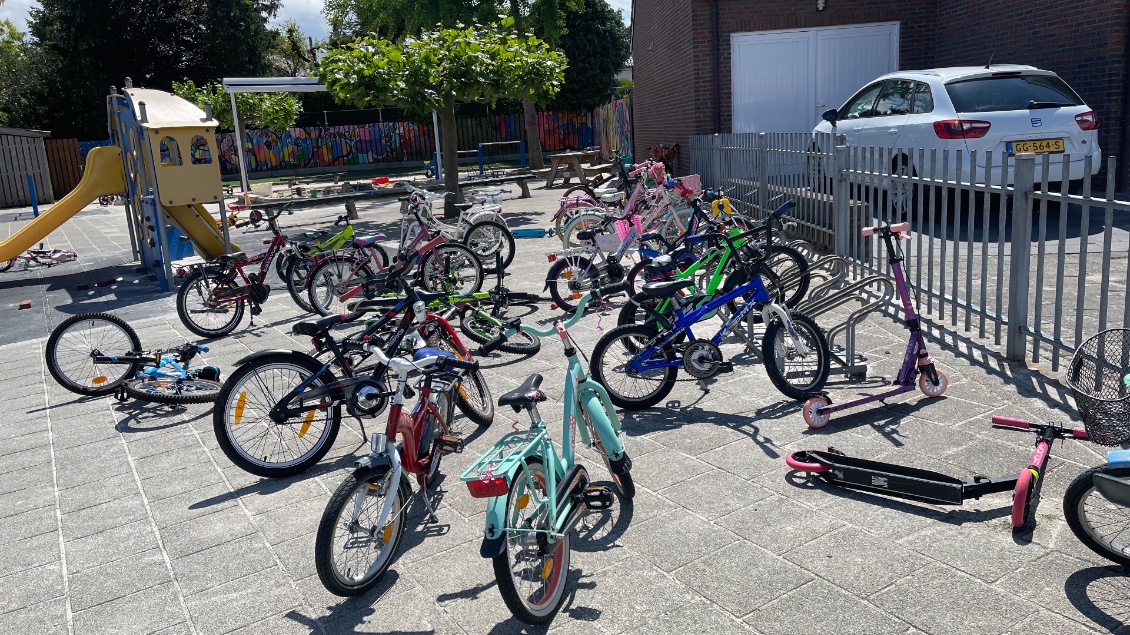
(1097, 377)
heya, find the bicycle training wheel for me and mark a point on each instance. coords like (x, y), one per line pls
(172, 391)
(796, 376)
(453, 269)
(73, 344)
(1100, 524)
(531, 573)
(202, 314)
(252, 439)
(351, 552)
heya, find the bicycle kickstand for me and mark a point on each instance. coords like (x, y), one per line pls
(423, 484)
(702, 386)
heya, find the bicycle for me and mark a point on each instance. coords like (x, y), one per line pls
(652, 353)
(481, 228)
(97, 354)
(39, 258)
(361, 528)
(279, 412)
(294, 265)
(536, 496)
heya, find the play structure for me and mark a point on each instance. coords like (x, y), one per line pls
(164, 162)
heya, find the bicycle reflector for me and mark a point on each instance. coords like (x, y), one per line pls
(551, 257)
(722, 207)
(489, 488)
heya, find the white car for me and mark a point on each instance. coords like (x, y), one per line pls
(999, 110)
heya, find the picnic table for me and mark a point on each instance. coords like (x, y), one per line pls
(571, 160)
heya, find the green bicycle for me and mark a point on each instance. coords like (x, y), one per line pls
(295, 265)
(535, 496)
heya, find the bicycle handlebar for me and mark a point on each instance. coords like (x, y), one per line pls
(578, 313)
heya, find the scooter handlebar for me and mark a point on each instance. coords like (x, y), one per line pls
(1011, 422)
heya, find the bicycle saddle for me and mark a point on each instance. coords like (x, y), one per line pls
(524, 396)
(464, 206)
(664, 289)
(318, 328)
(659, 263)
(364, 241)
(586, 234)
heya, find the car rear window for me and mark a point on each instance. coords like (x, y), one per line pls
(992, 94)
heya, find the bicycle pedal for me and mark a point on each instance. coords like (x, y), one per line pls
(256, 309)
(598, 497)
(725, 367)
(448, 445)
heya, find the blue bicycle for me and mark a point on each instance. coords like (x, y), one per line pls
(639, 363)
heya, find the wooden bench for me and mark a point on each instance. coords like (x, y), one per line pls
(520, 179)
(597, 170)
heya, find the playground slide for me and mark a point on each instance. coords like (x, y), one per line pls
(200, 227)
(103, 177)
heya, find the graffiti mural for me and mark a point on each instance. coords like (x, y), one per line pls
(614, 127)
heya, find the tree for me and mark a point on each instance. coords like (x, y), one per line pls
(291, 55)
(275, 111)
(439, 68)
(17, 75)
(596, 34)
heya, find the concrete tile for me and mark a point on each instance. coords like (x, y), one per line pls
(30, 552)
(180, 481)
(661, 469)
(223, 563)
(987, 554)
(982, 609)
(242, 602)
(779, 524)
(715, 494)
(742, 577)
(109, 545)
(93, 493)
(27, 499)
(1094, 596)
(195, 503)
(28, 524)
(823, 603)
(204, 532)
(31, 586)
(151, 609)
(45, 618)
(99, 518)
(119, 578)
(675, 539)
(849, 556)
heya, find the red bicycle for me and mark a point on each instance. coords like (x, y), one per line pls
(211, 299)
(362, 526)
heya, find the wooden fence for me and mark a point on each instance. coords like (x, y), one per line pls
(22, 153)
(65, 165)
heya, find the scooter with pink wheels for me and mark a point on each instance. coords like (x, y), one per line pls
(916, 363)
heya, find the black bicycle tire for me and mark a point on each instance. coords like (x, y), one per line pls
(596, 370)
(1072, 499)
(219, 417)
(452, 246)
(133, 391)
(508, 240)
(59, 376)
(531, 344)
(776, 375)
(579, 262)
(182, 310)
(483, 418)
(363, 272)
(793, 295)
(299, 295)
(582, 187)
(282, 261)
(6, 265)
(323, 539)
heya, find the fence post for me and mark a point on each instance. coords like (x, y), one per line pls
(763, 172)
(1021, 255)
(841, 205)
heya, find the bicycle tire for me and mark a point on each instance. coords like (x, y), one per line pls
(480, 331)
(640, 332)
(330, 278)
(6, 265)
(588, 272)
(1075, 512)
(432, 267)
(505, 244)
(580, 187)
(190, 284)
(233, 448)
(558, 562)
(157, 390)
(774, 363)
(474, 399)
(282, 261)
(341, 501)
(582, 218)
(297, 275)
(792, 271)
(104, 387)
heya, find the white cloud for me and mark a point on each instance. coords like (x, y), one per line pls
(308, 15)
(17, 12)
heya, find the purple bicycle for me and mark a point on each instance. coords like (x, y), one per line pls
(916, 364)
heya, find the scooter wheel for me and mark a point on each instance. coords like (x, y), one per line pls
(929, 388)
(811, 410)
(800, 462)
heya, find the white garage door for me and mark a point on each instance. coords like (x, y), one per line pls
(783, 80)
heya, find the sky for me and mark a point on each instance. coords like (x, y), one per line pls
(307, 13)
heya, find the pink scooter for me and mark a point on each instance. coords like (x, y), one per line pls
(916, 364)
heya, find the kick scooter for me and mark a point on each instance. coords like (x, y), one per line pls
(916, 364)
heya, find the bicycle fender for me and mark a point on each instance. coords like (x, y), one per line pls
(494, 538)
(1113, 488)
(604, 429)
(274, 351)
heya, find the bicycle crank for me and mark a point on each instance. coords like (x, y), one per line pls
(702, 359)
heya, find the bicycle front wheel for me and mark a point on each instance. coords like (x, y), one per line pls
(200, 312)
(1102, 525)
(297, 274)
(331, 279)
(351, 552)
(73, 344)
(610, 359)
(252, 439)
(796, 376)
(569, 278)
(453, 269)
(531, 573)
(481, 330)
(490, 239)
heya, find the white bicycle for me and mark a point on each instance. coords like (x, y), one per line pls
(480, 227)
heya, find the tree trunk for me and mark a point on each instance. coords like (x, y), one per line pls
(533, 136)
(450, 159)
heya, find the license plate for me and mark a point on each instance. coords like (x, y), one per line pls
(1035, 145)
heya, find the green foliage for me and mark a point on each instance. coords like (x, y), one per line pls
(18, 73)
(397, 19)
(599, 44)
(291, 55)
(275, 111)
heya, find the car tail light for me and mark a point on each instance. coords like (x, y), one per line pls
(489, 488)
(959, 129)
(1087, 120)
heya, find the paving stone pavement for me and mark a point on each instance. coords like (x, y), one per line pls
(127, 518)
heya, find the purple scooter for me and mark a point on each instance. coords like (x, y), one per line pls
(932, 382)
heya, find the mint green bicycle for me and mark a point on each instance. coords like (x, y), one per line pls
(535, 496)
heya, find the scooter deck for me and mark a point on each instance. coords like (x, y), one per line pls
(898, 480)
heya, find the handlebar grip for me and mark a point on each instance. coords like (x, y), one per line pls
(451, 362)
(1011, 422)
(493, 345)
(201, 349)
(1081, 433)
(613, 289)
(870, 231)
(901, 227)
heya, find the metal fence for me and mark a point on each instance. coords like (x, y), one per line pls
(1010, 248)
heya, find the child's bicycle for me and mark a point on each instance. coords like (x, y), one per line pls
(38, 258)
(536, 496)
(99, 354)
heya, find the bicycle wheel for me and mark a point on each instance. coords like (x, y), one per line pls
(283, 260)
(473, 399)
(6, 265)
(480, 330)
(200, 313)
(331, 278)
(578, 190)
(252, 439)
(791, 269)
(610, 358)
(569, 278)
(582, 219)
(531, 573)
(1102, 525)
(453, 269)
(350, 552)
(796, 376)
(297, 273)
(487, 238)
(623, 479)
(71, 347)
(172, 391)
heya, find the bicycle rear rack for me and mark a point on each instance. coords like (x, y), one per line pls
(503, 457)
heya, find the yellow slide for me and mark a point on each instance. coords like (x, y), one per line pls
(201, 229)
(103, 177)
